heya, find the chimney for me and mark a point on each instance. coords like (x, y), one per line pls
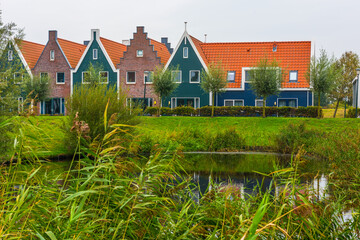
(126, 42)
(95, 34)
(164, 40)
(86, 42)
(140, 29)
(53, 35)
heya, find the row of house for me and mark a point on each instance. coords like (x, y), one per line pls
(128, 66)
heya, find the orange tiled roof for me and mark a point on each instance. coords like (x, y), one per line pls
(73, 51)
(235, 56)
(31, 52)
(162, 51)
(114, 49)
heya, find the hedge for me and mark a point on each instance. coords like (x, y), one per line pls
(351, 112)
(245, 111)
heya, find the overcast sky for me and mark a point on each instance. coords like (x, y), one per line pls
(331, 24)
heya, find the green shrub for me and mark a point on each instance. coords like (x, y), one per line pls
(293, 137)
(351, 112)
(91, 101)
(184, 111)
(227, 140)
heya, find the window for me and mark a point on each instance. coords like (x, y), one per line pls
(231, 76)
(231, 103)
(130, 77)
(139, 53)
(259, 103)
(10, 55)
(293, 76)
(52, 55)
(176, 76)
(194, 76)
(20, 104)
(282, 103)
(60, 78)
(18, 78)
(2, 77)
(292, 103)
(44, 76)
(85, 77)
(148, 77)
(95, 54)
(274, 48)
(185, 52)
(104, 77)
(287, 102)
(247, 75)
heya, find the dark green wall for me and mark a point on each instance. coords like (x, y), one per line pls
(100, 62)
(16, 63)
(185, 88)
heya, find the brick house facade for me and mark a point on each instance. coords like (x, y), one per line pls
(57, 59)
(140, 59)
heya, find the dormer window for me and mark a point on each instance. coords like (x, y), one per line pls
(52, 55)
(274, 48)
(293, 76)
(185, 52)
(139, 53)
(95, 54)
(231, 76)
(10, 55)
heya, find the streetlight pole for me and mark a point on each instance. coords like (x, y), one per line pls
(145, 81)
(357, 91)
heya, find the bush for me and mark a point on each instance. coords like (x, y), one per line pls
(293, 137)
(351, 112)
(91, 101)
(226, 140)
(184, 111)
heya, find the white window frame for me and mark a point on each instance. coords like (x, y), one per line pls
(297, 101)
(233, 102)
(190, 76)
(10, 55)
(95, 54)
(138, 51)
(173, 101)
(297, 75)
(186, 50)
(243, 78)
(176, 71)
(57, 82)
(127, 80)
(52, 55)
(82, 77)
(260, 100)
(147, 72)
(22, 78)
(107, 79)
(227, 76)
(20, 104)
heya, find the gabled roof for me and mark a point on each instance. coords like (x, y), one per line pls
(294, 55)
(73, 51)
(31, 52)
(162, 51)
(115, 50)
(197, 44)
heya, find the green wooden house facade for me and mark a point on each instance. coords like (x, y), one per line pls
(190, 64)
(103, 54)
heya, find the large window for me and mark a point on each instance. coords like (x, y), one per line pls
(104, 77)
(85, 77)
(176, 76)
(54, 106)
(52, 55)
(130, 77)
(18, 78)
(259, 103)
(60, 78)
(95, 54)
(232, 103)
(293, 76)
(148, 77)
(231, 76)
(287, 102)
(185, 52)
(194, 76)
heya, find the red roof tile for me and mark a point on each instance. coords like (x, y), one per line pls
(31, 52)
(235, 56)
(73, 51)
(162, 51)
(115, 50)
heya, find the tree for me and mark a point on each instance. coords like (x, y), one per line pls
(320, 75)
(265, 79)
(94, 75)
(213, 81)
(36, 89)
(163, 83)
(8, 32)
(346, 67)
